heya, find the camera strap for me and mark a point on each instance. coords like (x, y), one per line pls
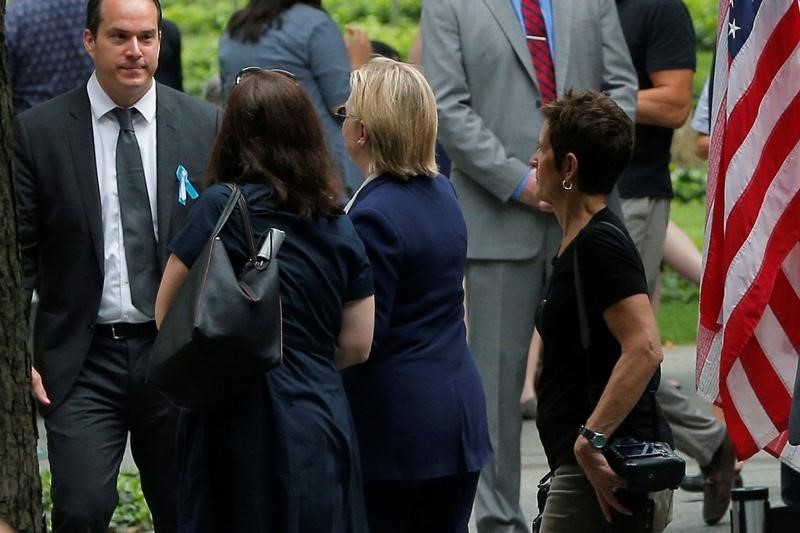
(585, 333)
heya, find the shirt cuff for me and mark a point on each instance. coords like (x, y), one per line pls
(518, 191)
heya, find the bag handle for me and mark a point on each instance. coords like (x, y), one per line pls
(244, 212)
(583, 326)
(236, 193)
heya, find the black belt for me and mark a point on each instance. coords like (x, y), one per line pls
(125, 330)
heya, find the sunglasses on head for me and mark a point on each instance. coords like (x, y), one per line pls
(341, 115)
(247, 71)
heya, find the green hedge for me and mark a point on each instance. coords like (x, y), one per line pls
(202, 22)
(131, 511)
(392, 21)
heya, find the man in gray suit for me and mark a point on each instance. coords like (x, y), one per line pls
(104, 180)
(482, 71)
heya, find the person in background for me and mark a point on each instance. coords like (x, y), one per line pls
(590, 395)
(418, 402)
(170, 70)
(44, 41)
(660, 36)
(98, 202)
(283, 456)
(300, 37)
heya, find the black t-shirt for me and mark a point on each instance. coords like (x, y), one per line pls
(572, 380)
(660, 36)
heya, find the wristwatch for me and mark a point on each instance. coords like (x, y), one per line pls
(598, 440)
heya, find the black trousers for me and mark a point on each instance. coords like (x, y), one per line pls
(436, 505)
(87, 434)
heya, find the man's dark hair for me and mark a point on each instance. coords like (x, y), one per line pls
(93, 14)
(382, 49)
(270, 134)
(249, 23)
(594, 128)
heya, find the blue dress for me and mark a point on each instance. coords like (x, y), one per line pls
(283, 457)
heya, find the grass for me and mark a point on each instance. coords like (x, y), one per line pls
(677, 316)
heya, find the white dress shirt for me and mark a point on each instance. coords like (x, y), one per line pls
(115, 303)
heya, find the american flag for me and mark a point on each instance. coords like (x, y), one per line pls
(748, 341)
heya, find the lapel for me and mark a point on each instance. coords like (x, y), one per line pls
(509, 24)
(167, 150)
(81, 144)
(562, 15)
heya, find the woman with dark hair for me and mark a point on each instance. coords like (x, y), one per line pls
(282, 457)
(298, 36)
(600, 341)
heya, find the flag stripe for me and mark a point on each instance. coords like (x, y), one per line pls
(777, 346)
(746, 403)
(752, 271)
(786, 304)
(767, 386)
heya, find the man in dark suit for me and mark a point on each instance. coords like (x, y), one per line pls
(104, 179)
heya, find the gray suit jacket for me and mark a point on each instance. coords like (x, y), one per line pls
(60, 216)
(476, 59)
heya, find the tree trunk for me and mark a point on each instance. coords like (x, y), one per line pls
(20, 485)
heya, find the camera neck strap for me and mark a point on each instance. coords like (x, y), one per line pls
(586, 337)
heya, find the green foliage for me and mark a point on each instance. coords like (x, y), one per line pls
(704, 17)
(677, 315)
(689, 183)
(677, 322)
(132, 510)
(202, 22)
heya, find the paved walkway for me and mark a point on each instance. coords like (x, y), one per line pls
(679, 364)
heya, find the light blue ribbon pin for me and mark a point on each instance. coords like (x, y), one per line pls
(184, 185)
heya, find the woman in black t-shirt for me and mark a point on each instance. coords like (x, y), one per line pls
(587, 396)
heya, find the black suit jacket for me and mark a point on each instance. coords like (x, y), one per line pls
(60, 218)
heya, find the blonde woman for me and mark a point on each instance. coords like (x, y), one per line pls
(418, 402)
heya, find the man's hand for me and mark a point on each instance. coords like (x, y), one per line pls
(530, 196)
(37, 388)
(601, 476)
(359, 47)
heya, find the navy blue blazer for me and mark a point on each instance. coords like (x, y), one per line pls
(418, 402)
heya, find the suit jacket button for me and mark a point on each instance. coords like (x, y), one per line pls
(90, 329)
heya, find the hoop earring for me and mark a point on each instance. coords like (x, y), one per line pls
(566, 184)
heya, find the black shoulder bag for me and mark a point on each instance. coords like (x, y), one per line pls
(645, 466)
(223, 330)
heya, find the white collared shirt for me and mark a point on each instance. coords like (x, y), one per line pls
(352, 200)
(115, 303)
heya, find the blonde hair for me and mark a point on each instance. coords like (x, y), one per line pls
(396, 104)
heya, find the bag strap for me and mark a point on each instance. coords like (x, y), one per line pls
(585, 333)
(244, 212)
(236, 193)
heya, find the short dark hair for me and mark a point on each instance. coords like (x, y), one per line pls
(594, 128)
(93, 14)
(382, 49)
(270, 134)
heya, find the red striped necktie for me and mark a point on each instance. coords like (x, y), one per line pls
(536, 37)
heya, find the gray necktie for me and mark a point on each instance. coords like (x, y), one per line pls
(141, 251)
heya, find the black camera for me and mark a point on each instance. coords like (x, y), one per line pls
(645, 466)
